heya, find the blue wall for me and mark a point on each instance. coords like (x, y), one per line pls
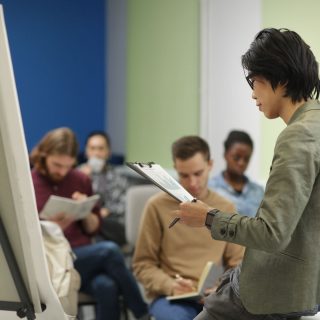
(58, 54)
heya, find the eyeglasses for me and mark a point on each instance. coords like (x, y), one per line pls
(250, 81)
(248, 78)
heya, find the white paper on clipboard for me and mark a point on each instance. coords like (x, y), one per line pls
(162, 179)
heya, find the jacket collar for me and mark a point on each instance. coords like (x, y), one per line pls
(309, 105)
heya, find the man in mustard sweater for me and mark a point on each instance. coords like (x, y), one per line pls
(169, 262)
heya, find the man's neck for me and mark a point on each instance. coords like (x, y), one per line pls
(289, 109)
(203, 194)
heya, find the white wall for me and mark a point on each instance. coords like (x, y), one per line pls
(116, 73)
(227, 29)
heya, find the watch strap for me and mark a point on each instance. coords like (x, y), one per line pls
(209, 218)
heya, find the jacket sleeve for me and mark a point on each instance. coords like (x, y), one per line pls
(146, 265)
(294, 169)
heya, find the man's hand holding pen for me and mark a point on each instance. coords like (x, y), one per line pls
(192, 214)
(176, 219)
(182, 285)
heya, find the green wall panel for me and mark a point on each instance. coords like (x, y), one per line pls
(163, 76)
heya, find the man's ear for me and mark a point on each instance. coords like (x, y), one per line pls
(210, 162)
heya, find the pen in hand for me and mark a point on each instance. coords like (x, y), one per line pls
(173, 222)
(176, 219)
(185, 282)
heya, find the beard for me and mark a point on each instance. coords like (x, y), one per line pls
(55, 177)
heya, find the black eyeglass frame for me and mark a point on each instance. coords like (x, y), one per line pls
(250, 82)
(248, 78)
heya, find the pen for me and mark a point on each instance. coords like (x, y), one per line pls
(176, 219)
(173, 222)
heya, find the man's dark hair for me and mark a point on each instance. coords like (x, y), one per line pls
(186, 147)
(282, 57)
(101, 134)
(236, 136)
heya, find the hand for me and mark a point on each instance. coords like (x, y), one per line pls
(182, 285)
(62, 219)
(208, 291)
(78, 196)
(90, 223)
(193, 214)
(104, 212)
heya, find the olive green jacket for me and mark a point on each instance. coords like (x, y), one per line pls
(281, 268)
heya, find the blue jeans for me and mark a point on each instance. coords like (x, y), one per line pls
(105, 276)
(162, 309)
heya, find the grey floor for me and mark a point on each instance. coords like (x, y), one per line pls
(87, 313)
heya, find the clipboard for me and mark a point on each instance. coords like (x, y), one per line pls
(162, 179)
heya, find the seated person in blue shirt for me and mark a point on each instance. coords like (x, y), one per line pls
(232, 182)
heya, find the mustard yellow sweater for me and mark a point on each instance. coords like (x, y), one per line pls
(161, 253)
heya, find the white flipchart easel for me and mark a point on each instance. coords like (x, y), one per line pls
(25, 287)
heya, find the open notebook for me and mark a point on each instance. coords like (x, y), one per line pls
(209, 277)
(79, 209)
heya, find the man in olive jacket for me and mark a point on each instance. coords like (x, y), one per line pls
(279, 277)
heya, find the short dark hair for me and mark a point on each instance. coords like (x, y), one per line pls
(101, 134)
(60, 141)
(187, 146)
(237, 136)
(282, 57)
